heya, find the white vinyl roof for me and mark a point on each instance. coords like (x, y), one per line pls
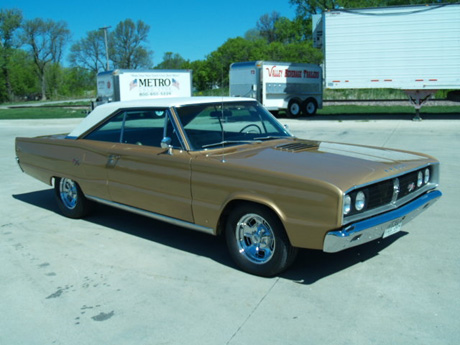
(105, 110)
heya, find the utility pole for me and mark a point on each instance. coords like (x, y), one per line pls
(106, 44)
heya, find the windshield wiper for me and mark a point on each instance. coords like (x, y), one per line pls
(231, 142)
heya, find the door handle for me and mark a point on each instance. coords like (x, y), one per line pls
(112, 161)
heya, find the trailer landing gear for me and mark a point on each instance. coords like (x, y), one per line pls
(418, 98)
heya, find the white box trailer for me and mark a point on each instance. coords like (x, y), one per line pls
(124, 85)
(412, 48)
(296, 87)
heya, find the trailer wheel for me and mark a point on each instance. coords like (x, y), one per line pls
(294, 109)
(310, 106)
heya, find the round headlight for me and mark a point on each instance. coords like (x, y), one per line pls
(360, 201)
(427, 176)
(346, 204)
(419, 179)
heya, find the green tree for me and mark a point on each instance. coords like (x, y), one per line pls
(305, 8)
(292, 31)
(24, 84)
(77, 82)
(300, 52)
(283, 40)
(46, 40)
(127, 45)
(233, 50)
(201, 74)
(172, 61)
(10, 21)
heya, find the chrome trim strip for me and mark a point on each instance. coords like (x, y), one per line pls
(434, 183)
(374, 228)
(153, 215)
(177, 126)
(387, 207)
(180, 131)
(396, 189)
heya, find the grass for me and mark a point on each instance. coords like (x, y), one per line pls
(396, 110)
(40, 113)
(61, 113)
(366, 94)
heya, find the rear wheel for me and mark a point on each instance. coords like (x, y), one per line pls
(294, 109)
(310, 107)
(257, 241)
(70, 198)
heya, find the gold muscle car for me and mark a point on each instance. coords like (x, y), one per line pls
(226, 166)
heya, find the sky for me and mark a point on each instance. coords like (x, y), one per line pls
(192, 29)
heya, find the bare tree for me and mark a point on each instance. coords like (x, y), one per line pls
(46, 40)
(266, 26)
(127, 45)
(89, 52)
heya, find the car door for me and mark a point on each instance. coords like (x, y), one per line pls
(142, 174)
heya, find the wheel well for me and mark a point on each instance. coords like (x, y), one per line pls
(236, 203)
(294, 99)
(311, 99)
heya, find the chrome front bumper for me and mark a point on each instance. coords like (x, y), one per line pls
(376, 227)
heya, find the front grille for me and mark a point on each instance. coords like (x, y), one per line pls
(380, 194)
(407, 184)
(391, 192)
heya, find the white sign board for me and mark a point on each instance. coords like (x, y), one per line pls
(145, 85)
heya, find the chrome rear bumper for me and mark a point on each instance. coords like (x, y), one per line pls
(374, 228)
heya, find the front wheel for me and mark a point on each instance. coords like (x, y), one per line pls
(257, 241)
(70, 198)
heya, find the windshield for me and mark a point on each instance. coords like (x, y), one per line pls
(228, 123)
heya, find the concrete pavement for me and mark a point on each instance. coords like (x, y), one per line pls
(119, 278)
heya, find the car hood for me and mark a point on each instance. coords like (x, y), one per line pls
(343, 165)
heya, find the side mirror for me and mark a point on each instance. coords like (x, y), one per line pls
(166, 144)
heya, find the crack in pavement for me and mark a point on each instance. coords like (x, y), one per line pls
(253, 311)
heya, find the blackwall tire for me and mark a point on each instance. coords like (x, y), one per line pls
(294, 108)
(70, 198)
(257, 241)
(310, 106)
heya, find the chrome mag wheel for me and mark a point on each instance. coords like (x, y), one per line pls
(255, 238)
(68, 192)
(71, 200)
(257, 241)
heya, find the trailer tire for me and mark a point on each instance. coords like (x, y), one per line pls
(294, 108)
(310, 106)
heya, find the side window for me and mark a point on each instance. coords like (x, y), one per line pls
(109, 131)
(136, 127)
(145, 127)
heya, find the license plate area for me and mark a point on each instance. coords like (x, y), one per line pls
(393, 228)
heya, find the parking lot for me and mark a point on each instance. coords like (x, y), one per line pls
(120, 278)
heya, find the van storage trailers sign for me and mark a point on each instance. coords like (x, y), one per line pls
(151, 85)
